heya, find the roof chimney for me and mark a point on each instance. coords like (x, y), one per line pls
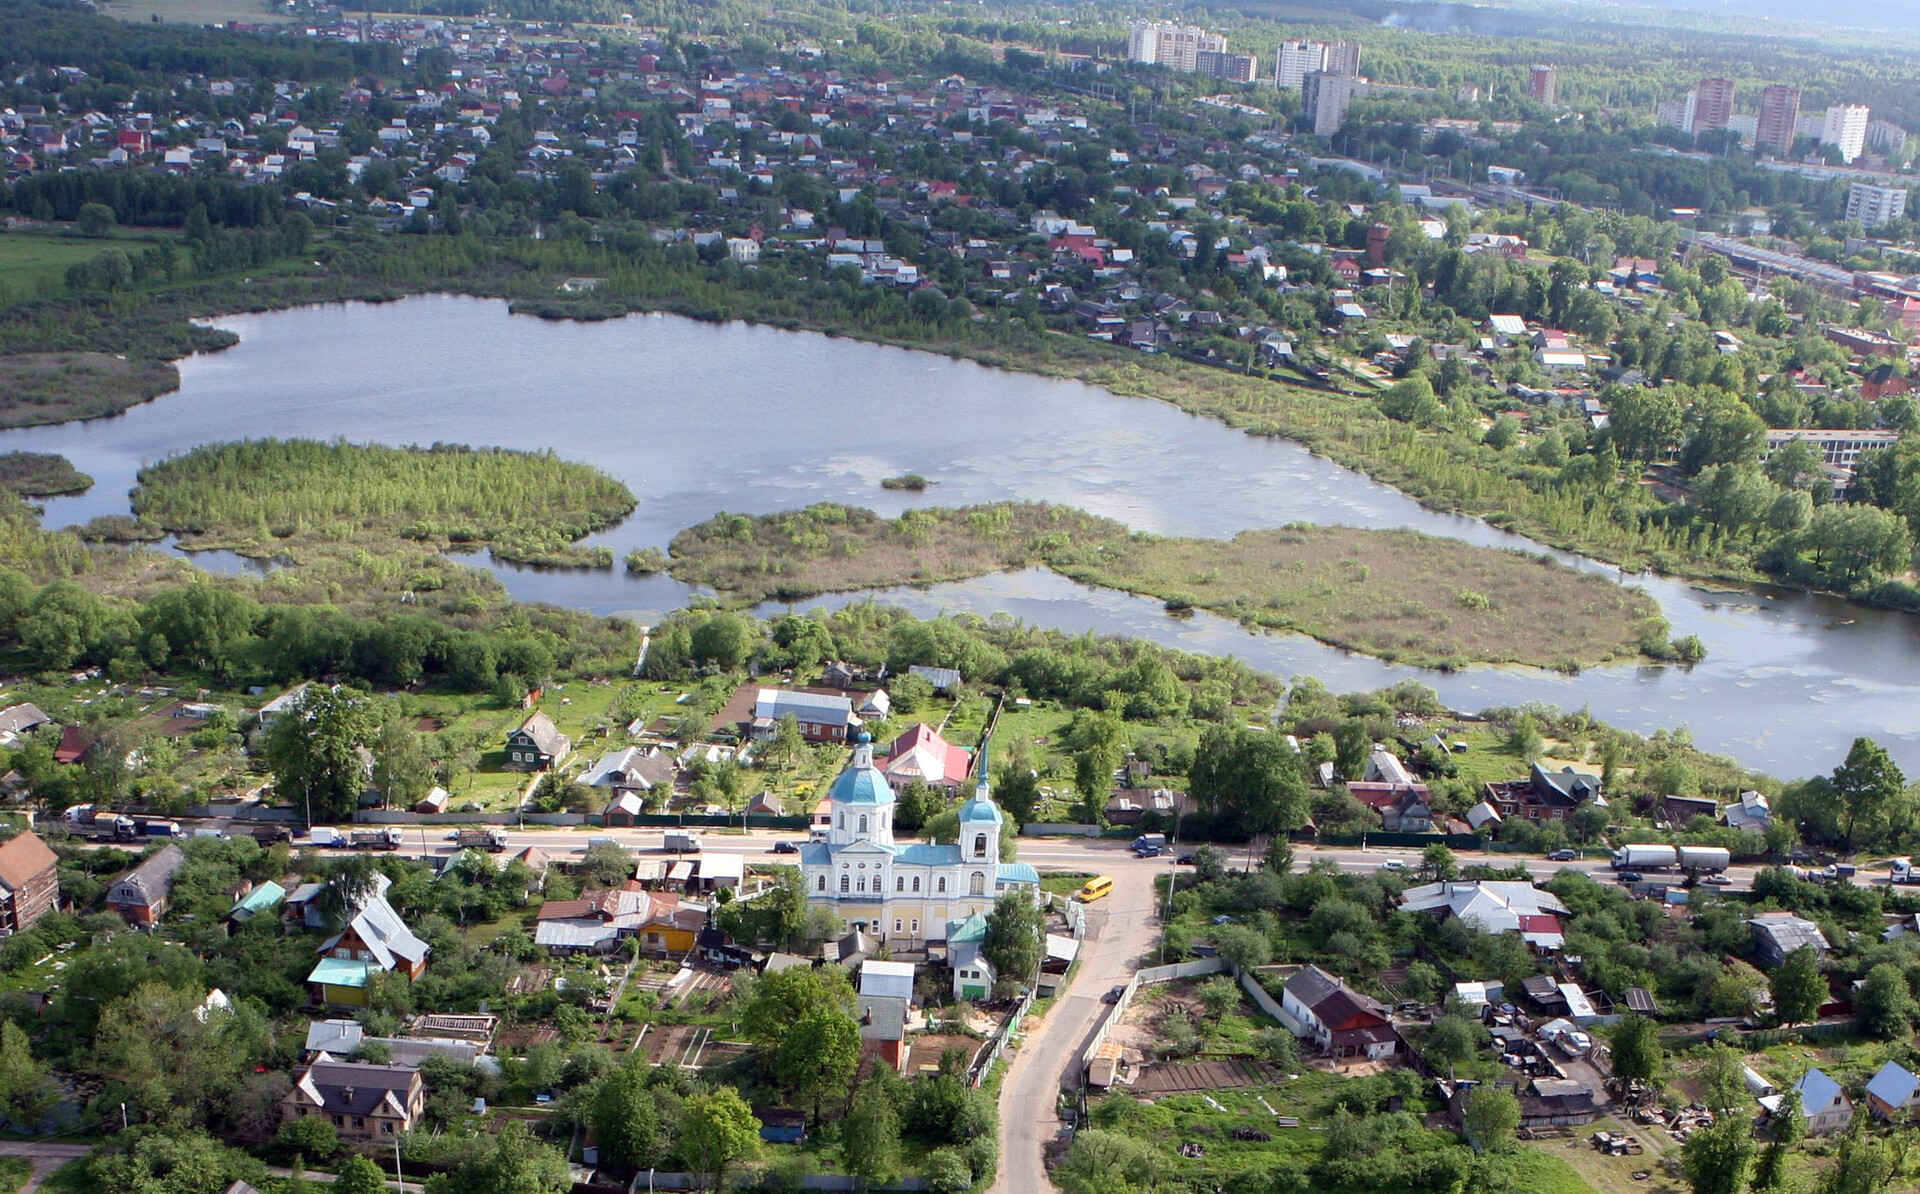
(346, 1095)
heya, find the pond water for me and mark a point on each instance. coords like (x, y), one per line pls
(698, 418)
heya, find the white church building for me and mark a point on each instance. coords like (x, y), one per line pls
(906, 894)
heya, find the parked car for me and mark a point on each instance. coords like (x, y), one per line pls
(1562, 856)
(1114, 995)
(785, 848)
(1716, 880)
(1393, 864)
(1184, 860)
(1629, 877)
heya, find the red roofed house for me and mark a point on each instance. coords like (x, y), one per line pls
(1337, 1018)
(29, 883)
(74, 745)
(923, 754)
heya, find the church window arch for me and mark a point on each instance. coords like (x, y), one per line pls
(916, 885)
(980, 843)
(845, 883)
(863, 822)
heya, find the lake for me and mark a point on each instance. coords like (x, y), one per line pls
(698, 418)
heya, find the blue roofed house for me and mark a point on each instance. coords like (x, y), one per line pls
(1891, 1091)
(906, 895)
(1825, 1103)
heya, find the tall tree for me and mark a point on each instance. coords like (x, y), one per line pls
(818, 1056)
(1868, 785)
(1885, 1003)
(516, 1163)
(27, 1089)
(784, 998)
(313, 751)
(1636, 1048)
(1716, 1157)
(717, 1131)
(1723, 1079)
(625, 1118)
(1012, 942)
(870, 1134)
(1490, 1118)
(401, 769)
(1797, 986)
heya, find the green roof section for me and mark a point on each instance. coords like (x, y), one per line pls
(341, 972)
(974, 929)
(264, 898)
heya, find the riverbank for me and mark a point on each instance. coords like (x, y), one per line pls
(1449, 472)
(1399, 595)
(40, 388)
(293, 498)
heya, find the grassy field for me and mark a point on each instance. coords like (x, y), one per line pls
(35, 263)
(195, 12)
(1397, 594)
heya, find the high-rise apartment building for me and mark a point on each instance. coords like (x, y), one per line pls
(1847, 128)
(1779, 116)
(1143, 42)
(1295, 61)
(1874, 206)
(1543, 84)
(1712, 105)
(1325, 98)
(1677, 113)
(1233, 68)
(1177, 47)
(1343, 58)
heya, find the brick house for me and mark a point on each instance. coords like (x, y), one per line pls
(363, 1102)
(29, 882)
(140, 896)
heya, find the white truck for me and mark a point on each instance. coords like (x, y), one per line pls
(325, 835)
(682, 841)
(1712, 859)
(1901, 870)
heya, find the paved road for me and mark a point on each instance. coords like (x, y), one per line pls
(1052, 853)
(1121, 930)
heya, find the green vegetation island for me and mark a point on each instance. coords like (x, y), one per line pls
(1397, 594)
(41, 474)
(271, 498)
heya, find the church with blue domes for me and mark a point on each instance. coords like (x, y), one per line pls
(906, 894)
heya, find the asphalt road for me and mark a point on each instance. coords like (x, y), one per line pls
(1104, 855)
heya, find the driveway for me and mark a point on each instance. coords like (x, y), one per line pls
(1121, 929)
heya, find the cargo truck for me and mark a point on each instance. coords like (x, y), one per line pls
(1711, 859)
(1902, 871)
(491, 840)
(384, 838)
(1149, 845)
(680, 841)
(326, 835)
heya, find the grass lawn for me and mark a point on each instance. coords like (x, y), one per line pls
(1064, 883)
(1551, 1167)
(14, 1172)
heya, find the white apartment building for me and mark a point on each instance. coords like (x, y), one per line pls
(1846, 127)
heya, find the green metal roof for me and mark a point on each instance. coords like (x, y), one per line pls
(263, 898)
(341, 972)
